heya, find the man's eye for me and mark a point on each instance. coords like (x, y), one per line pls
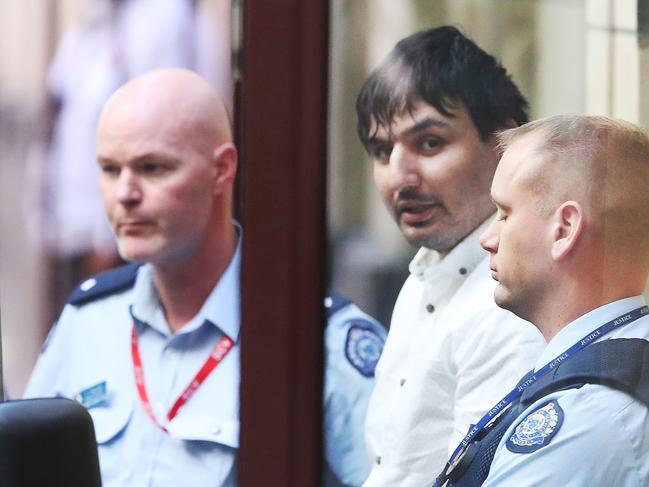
(110, 169)
(381, 152)
(151, 168)
(502, 217)
(430, 144)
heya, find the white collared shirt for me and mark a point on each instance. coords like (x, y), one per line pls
(450, 354)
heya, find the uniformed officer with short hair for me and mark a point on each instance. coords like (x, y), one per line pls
(152, 348)
(570, 252)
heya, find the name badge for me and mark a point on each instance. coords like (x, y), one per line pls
(93, 396)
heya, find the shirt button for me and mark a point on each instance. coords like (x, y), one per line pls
(430, 308)
(216, 430)
(463, 270)
(170, 351)
(378, 460)
(402, 382)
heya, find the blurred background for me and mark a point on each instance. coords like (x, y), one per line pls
(59, 59)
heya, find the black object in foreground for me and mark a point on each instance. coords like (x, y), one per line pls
(47, 443)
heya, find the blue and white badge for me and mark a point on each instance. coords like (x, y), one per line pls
(363, 347)
(93, 396)
(537, 429)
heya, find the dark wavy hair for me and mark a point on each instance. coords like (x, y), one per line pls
(443, 68)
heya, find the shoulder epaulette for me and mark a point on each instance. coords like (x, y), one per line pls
(104, 284)
(334, 302)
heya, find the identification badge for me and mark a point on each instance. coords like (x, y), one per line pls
(93, 396)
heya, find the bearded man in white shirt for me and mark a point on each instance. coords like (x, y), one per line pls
(427, 117)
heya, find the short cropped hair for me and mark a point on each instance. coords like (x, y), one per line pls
(594, 135)
(443, 68)
(607, 158)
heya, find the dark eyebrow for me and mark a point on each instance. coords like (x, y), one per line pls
(419, 126)
(375, 142)
(425, 124)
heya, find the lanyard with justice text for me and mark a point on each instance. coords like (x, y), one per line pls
(621, 320)
(217, 354)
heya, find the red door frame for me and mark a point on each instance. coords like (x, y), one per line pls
(283, 113)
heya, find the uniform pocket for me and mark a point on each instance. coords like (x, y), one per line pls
(110, 421)
(205, 428)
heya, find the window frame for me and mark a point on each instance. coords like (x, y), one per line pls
(282, 114)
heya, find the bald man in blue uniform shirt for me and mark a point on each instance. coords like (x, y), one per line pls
(129, 346)
(152, 349)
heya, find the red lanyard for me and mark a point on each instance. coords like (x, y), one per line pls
(219, 351)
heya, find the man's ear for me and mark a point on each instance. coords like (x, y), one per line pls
(568, 223)
(224, 160)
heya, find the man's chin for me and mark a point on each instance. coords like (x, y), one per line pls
(501, 298)
(429, 238)
(515, 305)
(136, 253)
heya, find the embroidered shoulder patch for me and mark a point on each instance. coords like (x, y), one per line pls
(363, 347)
(537, 429)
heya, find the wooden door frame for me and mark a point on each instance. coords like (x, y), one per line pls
(282, 126)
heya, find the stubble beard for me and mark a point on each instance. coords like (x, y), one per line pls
(440, 243)
(442, 239)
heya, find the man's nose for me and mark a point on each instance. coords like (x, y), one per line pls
(489, 239)
(404, 169)
(129, 190)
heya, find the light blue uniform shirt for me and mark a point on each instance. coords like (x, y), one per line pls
(353, 343)
(91, 345)
(604, 437)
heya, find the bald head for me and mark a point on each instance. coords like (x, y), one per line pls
(165, 152)
(177, 101)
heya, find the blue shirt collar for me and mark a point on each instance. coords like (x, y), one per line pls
(585, 324)
(221, 308)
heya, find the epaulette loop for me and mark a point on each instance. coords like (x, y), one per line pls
(104, 284)
(334, 302)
